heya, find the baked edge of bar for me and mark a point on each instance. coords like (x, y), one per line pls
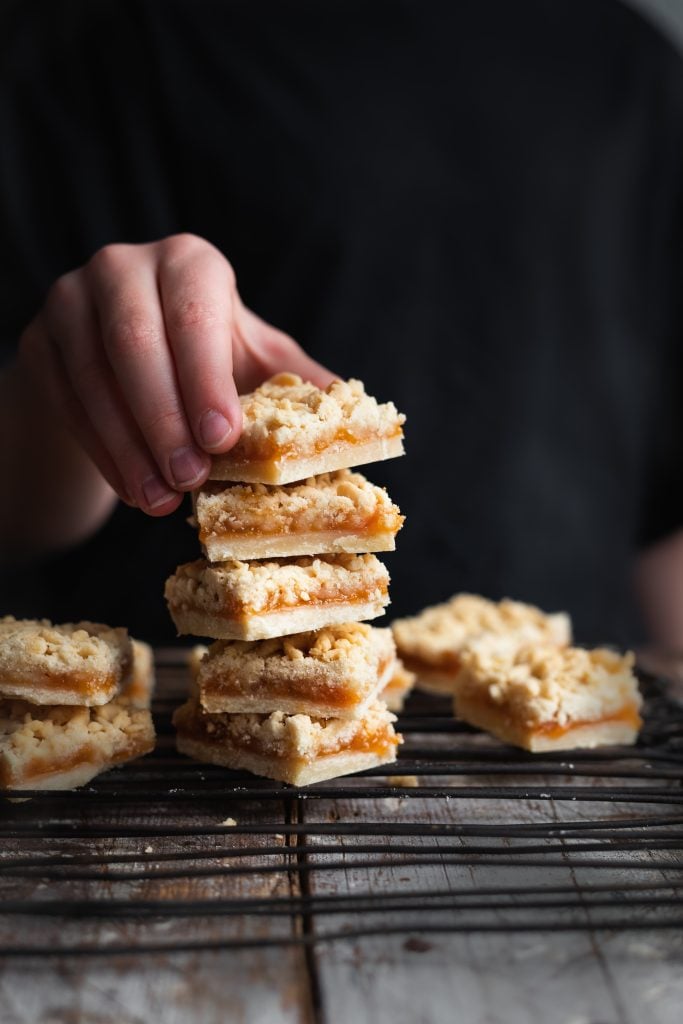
(578, 736)
(287, 545)
(287, 471)
(331, 766)
(301, 619)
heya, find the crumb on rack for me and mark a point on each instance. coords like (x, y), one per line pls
(409, 781)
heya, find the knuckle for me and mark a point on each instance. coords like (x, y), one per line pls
(110, 259)
(188, 248)
(131, 337)
(61, 295)
(183, 245)
(188, 314)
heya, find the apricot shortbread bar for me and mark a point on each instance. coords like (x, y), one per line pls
(257, 600)
(332, 672)
(548, 698)
(61, 747)
(82, 663)
(296, 749)
(334, 512)
(293, 430)
(400, 683)
(430, 643)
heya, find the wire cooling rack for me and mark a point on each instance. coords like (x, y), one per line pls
(462, 834)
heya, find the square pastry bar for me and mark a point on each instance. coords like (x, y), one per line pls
(293, 430)
(398, 686)
(82, 663)
(43, 747)
(430, 643)
(549, 698)
(257, 600)
(296, 749)
(334, 512)
(333, 672)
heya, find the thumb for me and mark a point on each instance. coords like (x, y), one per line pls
(260, 350)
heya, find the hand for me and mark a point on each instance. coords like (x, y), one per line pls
(142, 352)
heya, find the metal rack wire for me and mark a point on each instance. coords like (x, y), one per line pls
(462, 834)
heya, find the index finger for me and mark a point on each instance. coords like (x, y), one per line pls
(196, 284)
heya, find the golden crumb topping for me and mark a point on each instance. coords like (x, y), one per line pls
(286, 412)
(30, 733)
(356, 653)
(32, 650)
(279, 582)
(540, 684)
(334, 643)
(439, 633)
(341, 500)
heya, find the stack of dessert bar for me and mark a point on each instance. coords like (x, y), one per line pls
(74, 701)
(292, 686)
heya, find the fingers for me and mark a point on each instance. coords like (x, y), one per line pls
(126, 295)
(38, 350)
(146, 348)
(260, 350)
(197, 286)
(90, 400)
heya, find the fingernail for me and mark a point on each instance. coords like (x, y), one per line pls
(187, 465)
(214, 429)
(156, 491)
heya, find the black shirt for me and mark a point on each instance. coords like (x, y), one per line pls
(473, 207)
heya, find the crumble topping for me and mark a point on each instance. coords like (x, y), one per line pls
(31, 649)
(353, 655)
(281, 582)
(442, 630)
(353, 640)
(341, 500)
(287, 412)
(33, 735)
(282, 735)
(540, 684)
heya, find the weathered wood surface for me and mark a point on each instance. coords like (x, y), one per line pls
(542, 977)
(588, 976)
(241, 985)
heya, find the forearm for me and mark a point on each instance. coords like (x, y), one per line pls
(659, 586)
(53, 496)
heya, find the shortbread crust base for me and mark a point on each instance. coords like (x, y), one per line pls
(272, 624)
(265, 545)
(338, 455)
(613, 731)
(440, 682)
(296, 772)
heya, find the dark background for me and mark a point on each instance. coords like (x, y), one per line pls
(473, 207)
